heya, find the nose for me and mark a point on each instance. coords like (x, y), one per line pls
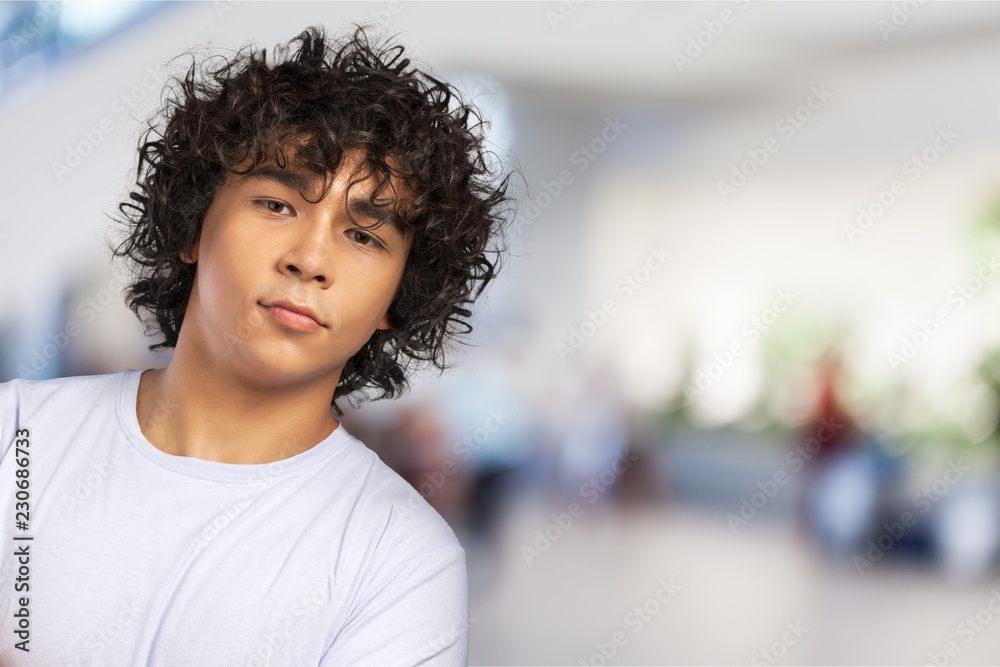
(309, 256)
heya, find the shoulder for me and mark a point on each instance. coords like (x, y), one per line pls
(397, 537)
(405, 520)
(21, 390)
(24, 403)
(411, 599)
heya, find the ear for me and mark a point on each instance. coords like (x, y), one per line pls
(190, 255)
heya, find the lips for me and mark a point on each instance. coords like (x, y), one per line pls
(295, 314)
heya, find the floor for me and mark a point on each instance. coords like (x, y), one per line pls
(674, 585)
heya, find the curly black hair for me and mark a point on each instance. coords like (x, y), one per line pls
(317, 102)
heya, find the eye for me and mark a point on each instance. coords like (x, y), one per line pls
(272, 205)
(364, 238)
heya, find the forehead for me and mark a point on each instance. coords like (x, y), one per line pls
(309, 180)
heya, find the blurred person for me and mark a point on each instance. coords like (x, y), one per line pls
(491, 416)
(302, 229)
(421, 457)
(831, 423)
(838, 500)
(850, 480)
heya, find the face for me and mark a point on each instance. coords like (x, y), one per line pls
(264, 252)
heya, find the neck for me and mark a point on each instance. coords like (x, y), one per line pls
(192, 408)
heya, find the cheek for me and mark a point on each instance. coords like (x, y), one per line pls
(225, 271)
(362, 300)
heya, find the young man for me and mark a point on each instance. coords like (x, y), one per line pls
(301, 230)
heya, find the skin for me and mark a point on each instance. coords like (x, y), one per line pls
(242, 387)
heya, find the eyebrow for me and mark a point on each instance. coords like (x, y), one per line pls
(300, 182)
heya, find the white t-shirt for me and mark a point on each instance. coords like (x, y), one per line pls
(139, 557)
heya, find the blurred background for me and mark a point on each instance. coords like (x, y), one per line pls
(736, 396)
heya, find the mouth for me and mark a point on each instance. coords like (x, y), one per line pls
(293, 315)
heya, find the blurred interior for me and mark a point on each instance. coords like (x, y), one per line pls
(736, 395)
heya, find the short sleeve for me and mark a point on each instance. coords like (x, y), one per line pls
(416, 613)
